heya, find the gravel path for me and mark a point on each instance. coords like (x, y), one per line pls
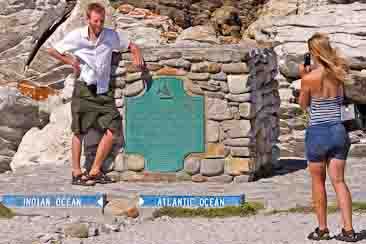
(279, 228)
(288, 188)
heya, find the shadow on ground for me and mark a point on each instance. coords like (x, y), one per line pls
(288, 166)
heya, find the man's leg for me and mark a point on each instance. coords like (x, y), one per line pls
(76, 154)
(104, 147)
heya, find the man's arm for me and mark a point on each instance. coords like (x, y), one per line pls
(66, 59)
(121, 41)
(69, 44)
(137, 58)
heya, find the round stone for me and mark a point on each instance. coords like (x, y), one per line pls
(192, 165)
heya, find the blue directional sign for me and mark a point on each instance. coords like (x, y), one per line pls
(158, 201)
(54, 201)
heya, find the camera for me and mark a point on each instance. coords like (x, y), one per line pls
(307, 59)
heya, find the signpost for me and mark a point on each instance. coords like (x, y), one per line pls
(158, 201)
(54, 201)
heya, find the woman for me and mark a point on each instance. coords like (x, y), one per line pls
(326, 140)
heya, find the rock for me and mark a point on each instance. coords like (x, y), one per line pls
(226, 21)
(198, 76)
(144, 36)
(205, 34)
(176, 63)
(120, 164)
(219, 76)
(216, 150)
(11, 134)
(224, 87)
(246, 110)
(212, 131)
(109, 228)
(194, 56)
(154, 67)
(297, 123)
(207, 86)
(22, 25)
(122, 207)
(288, 111)
(356, 88)
(118, 71)
(234, 165)
(237, 128)
(246, 97)
(237, 142)
(205, 67)
(238, 83)
(357, 150)
(286, 95)
(135, 162)
(49, 145)
(134, 88)
(52, 238)
(242, 179)
(133, 77)
(77, 230)
(5, 163)
(5, 213)
(125, 8)
(219, 55)
(192, 165)
(118, 94)
(114, 175)
(199, 178)
(240, 151)
(218, 109)
(220, 179)
(235, 68)
(291, 33)
(212, 167)
(171, 71)
(193, 88)
(169, 54)
(183, 176)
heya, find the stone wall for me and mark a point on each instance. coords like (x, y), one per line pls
(242, 103)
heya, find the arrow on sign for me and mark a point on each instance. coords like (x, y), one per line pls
(101, 202)
(141, 201)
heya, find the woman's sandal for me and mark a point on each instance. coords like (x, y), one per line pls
(348, 236)
(318, 235)
(101, 178)
(82, 180)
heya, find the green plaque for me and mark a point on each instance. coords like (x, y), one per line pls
(164, 125)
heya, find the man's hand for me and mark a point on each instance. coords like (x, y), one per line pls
(137, 58)
(66, 59)
(75, 63)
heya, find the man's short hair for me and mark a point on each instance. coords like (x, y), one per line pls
(95, 7)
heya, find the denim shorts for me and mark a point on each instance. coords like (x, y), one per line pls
(326, 141)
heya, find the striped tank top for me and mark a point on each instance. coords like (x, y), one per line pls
(323, 110)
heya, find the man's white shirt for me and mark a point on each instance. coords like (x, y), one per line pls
(95, 57)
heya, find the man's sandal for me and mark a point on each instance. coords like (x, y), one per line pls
(101, 178)
(82, 180)
(348, 236)
(318, 235)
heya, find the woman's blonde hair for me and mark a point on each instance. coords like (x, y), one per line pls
(336, 67)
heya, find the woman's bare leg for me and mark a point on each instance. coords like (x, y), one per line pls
(318, 176)
(336, 170)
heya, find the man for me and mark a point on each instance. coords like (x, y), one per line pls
(93, 104)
